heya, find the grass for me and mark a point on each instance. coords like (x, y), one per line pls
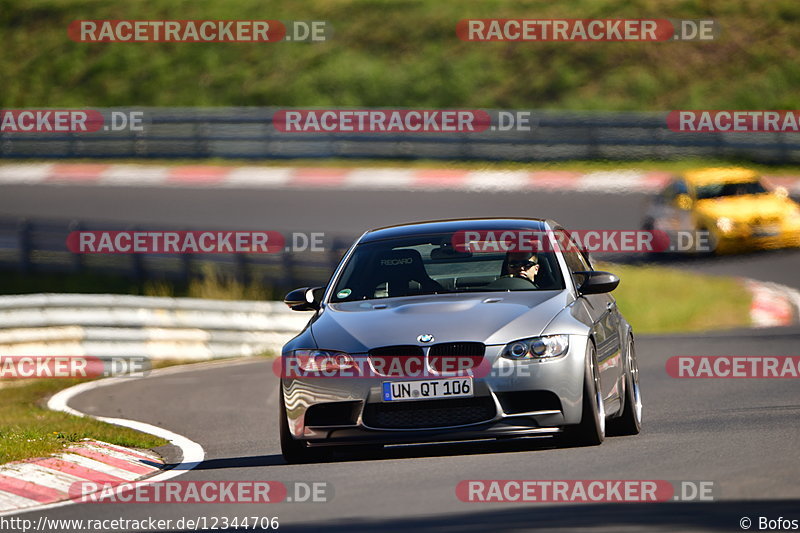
(656, 299)
(403, 53)
(28, 429)
(208, 284)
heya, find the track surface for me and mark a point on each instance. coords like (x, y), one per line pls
(740, 434)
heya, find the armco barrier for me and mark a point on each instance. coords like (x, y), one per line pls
(248, 133)
(38, 246)
(104, 325)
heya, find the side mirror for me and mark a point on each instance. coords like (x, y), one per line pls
(303, 299)
(597, 282)
(683, 201)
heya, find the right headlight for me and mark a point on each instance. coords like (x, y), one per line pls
(535, 348)
(724, 224)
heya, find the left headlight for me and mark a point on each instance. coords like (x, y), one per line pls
(537, 348)
(322, 360)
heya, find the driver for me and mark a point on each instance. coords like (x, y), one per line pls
(522, 265)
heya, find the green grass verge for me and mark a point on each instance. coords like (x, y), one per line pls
(403, 53)
(28, 429)
(656, 299)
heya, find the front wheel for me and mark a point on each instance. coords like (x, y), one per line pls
(592, 429)
(630, 423)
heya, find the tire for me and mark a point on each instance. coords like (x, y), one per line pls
(592, 429)
(630, 422)
(296, 451)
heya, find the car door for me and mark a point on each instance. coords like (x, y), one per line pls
(602, 309)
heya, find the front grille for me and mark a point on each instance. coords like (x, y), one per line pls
(454, 356)
(393, 360)
(429, 413)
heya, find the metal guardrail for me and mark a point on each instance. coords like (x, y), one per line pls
(248, 133)
(39, 246)
(104, 325)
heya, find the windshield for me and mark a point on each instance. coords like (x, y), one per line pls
(718, 190)
(430, 265)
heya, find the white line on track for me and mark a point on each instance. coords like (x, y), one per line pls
(192, 453)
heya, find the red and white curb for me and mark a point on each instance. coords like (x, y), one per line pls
(40, 484)
(772, 304)
(34, 482)
(268, 177)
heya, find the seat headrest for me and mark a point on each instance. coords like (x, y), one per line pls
(399, 259)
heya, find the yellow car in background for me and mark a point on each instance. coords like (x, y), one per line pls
(732, 204)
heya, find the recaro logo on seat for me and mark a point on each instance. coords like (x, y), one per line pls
(395, 262)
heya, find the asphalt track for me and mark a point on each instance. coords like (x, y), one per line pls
(740, 434)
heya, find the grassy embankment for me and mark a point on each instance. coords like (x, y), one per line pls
(403, 53)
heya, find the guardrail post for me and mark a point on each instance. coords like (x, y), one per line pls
(288, 269)
(24, 245)
(137, 262)
(77, 259)
(240, 268)
(186, 268)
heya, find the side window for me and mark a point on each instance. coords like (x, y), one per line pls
(576, 263)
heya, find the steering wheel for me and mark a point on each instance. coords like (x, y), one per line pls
(512, 282)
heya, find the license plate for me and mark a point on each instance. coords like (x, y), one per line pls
(427, 390)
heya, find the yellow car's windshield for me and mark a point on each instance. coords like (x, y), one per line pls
(718, 190)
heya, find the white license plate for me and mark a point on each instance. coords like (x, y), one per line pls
(427, 390)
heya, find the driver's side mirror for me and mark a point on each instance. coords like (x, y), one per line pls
(305, 299)
(597, 282)
(683, 201)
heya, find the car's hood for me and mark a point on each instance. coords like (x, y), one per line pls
(746, 208)
(491, 318)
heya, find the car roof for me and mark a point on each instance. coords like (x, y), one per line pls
(704, 176)
(452, 225)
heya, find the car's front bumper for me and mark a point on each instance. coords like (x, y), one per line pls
(741, 240)
(514, 399)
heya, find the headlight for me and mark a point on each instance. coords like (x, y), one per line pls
(322, 360)
(725, 224)
(537, 348)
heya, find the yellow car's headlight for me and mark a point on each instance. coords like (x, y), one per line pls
(725, 224)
